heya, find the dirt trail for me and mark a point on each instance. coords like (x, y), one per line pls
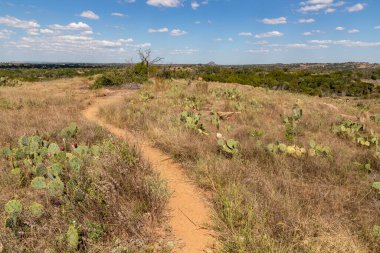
(188, 210)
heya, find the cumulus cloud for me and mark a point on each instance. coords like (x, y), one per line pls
(306, 21)
(117, 14)
(89, 14)
(186, 51)
(164, 3)
(5, 34)
(356, 7)
(327, 6)
(305, 46)
(258, 51)
(71, 26)
(245, 34)
(311, 33)
(18, 23)
(347, 43)
(274, 21)
(269, 34)
(339, 28)
(195, 5)
(353, 31)
(160, 30)
(177, 33)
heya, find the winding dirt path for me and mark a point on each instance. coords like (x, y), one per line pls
(188, 209)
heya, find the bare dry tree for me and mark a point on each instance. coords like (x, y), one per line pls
(145, 57)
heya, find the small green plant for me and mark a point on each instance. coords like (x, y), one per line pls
(55, 187)
(96, 231)
(357, 133)
(255, 133)
(291, 121)
(376, 231)
(13, 209)
(38, 183)
(192, 121)
(375, 118)
(282, 148)
(36, 210)
(215, 120)
(193, 103)
(376, 186)
(230, 94)
(72, 238)
(145, 96)
(70, 131)
(318, 149)
(53, 149)
(229, 147)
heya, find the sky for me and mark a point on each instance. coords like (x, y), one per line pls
(190, 31)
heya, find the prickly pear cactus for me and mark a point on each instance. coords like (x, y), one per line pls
(36, 210)
(38, 183)
(13, 208)
(70, 131)
(54, 170)
(72, 238)
(75, 164)
(230, 147)
(376, 186)
(54, 149)
(55, 187)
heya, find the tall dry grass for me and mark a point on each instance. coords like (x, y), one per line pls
(265, 202)
(124, 199)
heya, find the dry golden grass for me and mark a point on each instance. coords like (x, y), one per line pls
(265, 202)
(126, 203)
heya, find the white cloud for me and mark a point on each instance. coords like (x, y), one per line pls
(260, 42)
(339, 28)
(356, 7)
(164, 3)
(177, 33)
(195, 5)
(353, 31)
(18, 23)
(269, 34)
(89, 14)
(377, 27)
(245, 34)
(311, 33)
(347, 43)
(160, 30)
(319, 5)
(5, 34)
(46, 31)
(330, 10)
(274, 21)
(117, 14)
(306, 21)
(305, 46)
(71, 26)
(258, 51)
(186, 51)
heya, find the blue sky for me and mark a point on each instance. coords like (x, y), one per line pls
(190, 31)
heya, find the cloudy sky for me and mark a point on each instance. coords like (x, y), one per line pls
(190, 31)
